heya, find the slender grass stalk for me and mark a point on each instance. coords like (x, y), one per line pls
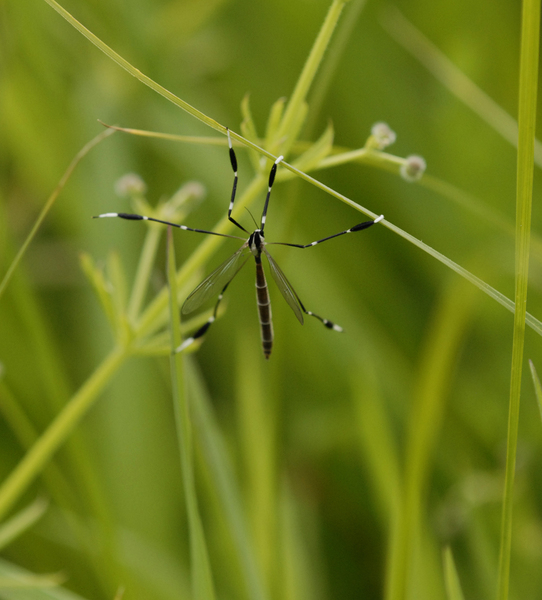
(528, 84)
(332, 60)
(451, 578)
(22, 521)
(537, 386)
(55, 435)
(48, 205)
(306, 78)
(216, 453)
(143, 273)
(202, 582)
(257, 431)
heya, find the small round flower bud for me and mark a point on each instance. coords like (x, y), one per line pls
(130, 185)
(187, 197)
(413, 168)
(382, 136)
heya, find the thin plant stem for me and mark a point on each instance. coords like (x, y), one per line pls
(57, 432)
(143, 273)
(310, 68)
(202, 582)
(528, 83)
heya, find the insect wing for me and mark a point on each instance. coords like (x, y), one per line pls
(285, 287)
(217, 280)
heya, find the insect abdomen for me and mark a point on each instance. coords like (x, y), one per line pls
(264, 310)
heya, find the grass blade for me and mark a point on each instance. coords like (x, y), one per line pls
(528, 82)
(537, 386)
(202, 582)
(216, 455)
(55, 435)
(451, 579)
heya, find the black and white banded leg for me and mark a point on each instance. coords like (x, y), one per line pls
(233, 160)
(131, 217)
(203, 329)
(358, 227)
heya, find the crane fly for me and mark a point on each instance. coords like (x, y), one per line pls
(255, 245)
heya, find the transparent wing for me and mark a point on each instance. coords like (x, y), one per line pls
(217, 280)
(285, 287)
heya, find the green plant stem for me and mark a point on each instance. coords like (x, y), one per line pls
(537, 386)
(451, 578)
(310, 68)
(55, 435)
(202, 582)
(528, 82)
(144, 269)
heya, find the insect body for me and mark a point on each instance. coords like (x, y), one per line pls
(220, 278)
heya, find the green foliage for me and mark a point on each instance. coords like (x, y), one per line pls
(345, 465)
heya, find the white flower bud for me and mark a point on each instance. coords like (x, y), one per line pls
(130, 185)
(382, 136)
(413, 168)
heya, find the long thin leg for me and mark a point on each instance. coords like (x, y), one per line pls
(272, 174)
(131, 217)
(203, 329)
(233, 160)
(329, 324)
(358, 227)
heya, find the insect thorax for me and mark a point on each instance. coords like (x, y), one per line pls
(256, 242)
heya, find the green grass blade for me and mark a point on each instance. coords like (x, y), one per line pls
(56, 434)
(257, 432)
(294, 107)
(202, 582)
(22, 521)
(216, 454)
(528, 83)
(537, 386)
(451, 578)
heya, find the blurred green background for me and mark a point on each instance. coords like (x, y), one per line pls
(317, 436)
